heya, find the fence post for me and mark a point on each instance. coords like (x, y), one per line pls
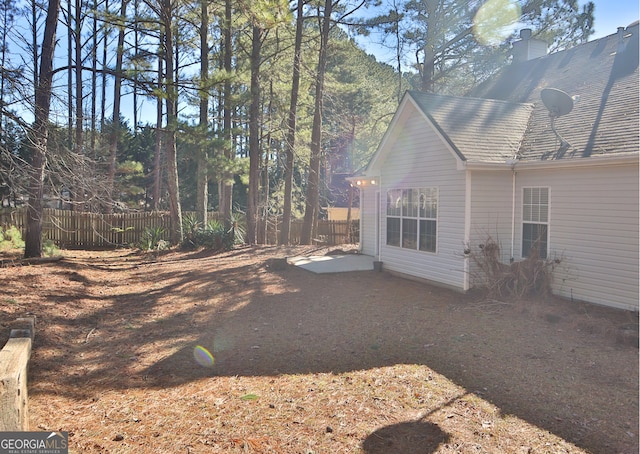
(14, 362)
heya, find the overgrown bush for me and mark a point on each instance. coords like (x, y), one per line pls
(11, 238)
(49, 248)
(532, 276)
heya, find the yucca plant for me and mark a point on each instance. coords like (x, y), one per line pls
(191, 226)
(153, 239)
(213, 235)
(238, 229)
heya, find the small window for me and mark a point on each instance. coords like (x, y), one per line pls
(535, 221)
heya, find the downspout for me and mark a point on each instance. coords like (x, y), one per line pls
(513, 163)
(360, 216)
(377, 199)
(467, 229)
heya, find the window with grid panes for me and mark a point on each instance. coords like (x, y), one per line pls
(535, 221)
(412, 218)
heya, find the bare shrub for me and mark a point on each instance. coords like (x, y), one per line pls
(516, 280)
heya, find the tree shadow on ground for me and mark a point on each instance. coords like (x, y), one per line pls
(524, 366)
(257, 322)
(417, 436)
(409, 437)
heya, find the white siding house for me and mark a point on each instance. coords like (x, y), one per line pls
(452, 172)
(593, 229)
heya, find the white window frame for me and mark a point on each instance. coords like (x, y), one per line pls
(535, 212)
(416, 205)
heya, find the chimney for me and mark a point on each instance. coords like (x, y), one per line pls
(620, 39)
(528, 48)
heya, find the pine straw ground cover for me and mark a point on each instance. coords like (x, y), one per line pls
(346, 363)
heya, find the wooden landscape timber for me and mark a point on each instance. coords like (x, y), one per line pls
(14, 363)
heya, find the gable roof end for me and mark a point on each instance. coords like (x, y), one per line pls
(480, 130)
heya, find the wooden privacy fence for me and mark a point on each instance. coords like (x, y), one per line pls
(14, 363)
(330, 233)
(79, 230)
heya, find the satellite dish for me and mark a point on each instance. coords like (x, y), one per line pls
(556, 101)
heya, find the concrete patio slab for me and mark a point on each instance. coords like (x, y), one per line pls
(333, 263)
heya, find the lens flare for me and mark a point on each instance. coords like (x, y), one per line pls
(203, 356)
(495, 20)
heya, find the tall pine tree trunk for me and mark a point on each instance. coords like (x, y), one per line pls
(312, 206)
(285, 232)
(432, 41)
(79, 192)
(69, 77)
(94, 89)
(103, 98)
(136, 51)
(33, 238)
(7, 19)
(225, 188)
(175, 211)
(115, 125)
(254, 137)
(157, 154)
(34, 43)
(202, 178)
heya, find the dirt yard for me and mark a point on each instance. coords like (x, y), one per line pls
(193, 352)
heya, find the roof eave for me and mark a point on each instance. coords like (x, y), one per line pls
(609, 160)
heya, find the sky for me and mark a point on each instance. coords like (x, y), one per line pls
(611, 14)
(608, 14)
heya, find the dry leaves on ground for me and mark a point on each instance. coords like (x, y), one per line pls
(304, 363)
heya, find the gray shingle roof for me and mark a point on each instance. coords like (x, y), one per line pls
(602, 75)
(482, 130)
(505, 116)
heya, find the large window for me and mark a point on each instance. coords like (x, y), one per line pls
(535, 221)
(412, 218)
